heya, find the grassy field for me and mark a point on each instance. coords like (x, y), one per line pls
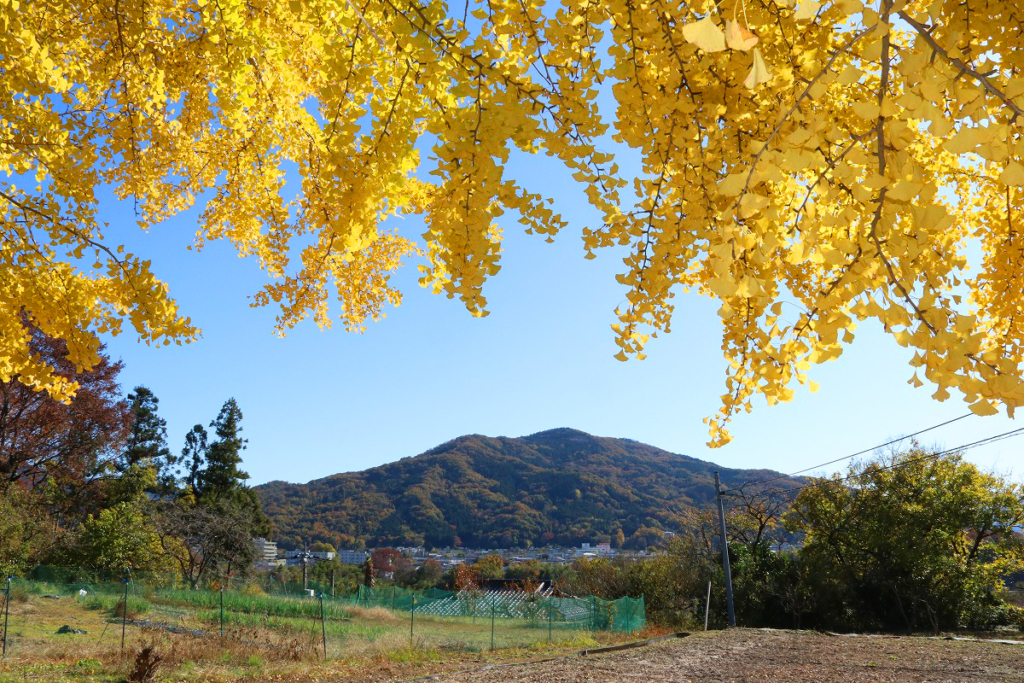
(272, 639)
(265, 639)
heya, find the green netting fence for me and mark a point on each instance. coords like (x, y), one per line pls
(256, 594)
(624, 614)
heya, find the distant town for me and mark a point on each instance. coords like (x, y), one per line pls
(270, 556)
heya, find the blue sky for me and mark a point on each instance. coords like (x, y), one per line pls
(320, 402)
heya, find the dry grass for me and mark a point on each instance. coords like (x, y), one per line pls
(384, 616)
(258, 654)
(373, 646)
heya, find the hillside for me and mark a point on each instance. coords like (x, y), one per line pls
(560, 486)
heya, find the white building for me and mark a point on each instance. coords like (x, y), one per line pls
(266, 552)
(352, 556)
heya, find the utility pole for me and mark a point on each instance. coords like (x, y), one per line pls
(725, 552)
(305, 559)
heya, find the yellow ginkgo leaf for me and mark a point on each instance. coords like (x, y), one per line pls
(807, 10)
(983, 407)
(1012, 175)
(758, 72)
(737, 37)
(705, 34)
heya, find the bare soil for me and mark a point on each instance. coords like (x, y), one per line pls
(762, 655)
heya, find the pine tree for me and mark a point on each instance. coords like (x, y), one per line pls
(147, 441)
(220, 484)
(193, 457)
(221, 474)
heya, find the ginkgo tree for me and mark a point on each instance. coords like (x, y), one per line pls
(842, 159)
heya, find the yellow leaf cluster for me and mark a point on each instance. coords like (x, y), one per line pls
(841, 158)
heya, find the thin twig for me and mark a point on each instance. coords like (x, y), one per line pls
(799, 99)
(964, 68)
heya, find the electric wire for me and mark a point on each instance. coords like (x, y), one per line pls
(895, 466)
(854, 455)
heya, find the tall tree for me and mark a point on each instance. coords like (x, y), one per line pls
(221, 474)
(147, 440)
(45, 443)
(193, 457)
(912, 539)
(198, 539)
(221, 483)
(860, 162)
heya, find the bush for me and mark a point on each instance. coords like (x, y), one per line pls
(673, 585)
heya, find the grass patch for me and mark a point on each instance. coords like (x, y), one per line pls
(114, 605)
(235, 601)
(265, 638)
(413, 655)
(291, 625)
(384, 616)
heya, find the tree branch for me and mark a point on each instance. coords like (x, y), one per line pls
(964, 68)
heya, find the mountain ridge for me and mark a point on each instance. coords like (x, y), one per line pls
(561, 486)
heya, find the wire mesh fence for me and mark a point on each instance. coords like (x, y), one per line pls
(368, 620)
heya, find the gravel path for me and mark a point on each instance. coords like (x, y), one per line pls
(755, 655)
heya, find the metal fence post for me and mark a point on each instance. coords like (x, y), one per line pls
(707, 607)
(412, 618)
(551, 617)
(7, 612)
(323, 625)
(124, 612)
(493, 602)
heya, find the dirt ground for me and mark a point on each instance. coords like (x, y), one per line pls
(758, 655)
(36, 654)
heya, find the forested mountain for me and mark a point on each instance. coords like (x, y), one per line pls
(560, 486)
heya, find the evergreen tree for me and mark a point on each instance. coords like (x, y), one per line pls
(193, 457)
(147, 440)
(220, 484)
(221, 474)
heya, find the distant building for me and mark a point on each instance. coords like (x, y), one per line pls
(352, 556)
(266, 552)
(588, 550)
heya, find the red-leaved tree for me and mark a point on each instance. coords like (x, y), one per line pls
(56, 449)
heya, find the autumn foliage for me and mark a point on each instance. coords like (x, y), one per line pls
(57, 447)
(811, 167)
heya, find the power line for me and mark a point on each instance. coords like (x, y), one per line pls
(854, 455)
(895, 466)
